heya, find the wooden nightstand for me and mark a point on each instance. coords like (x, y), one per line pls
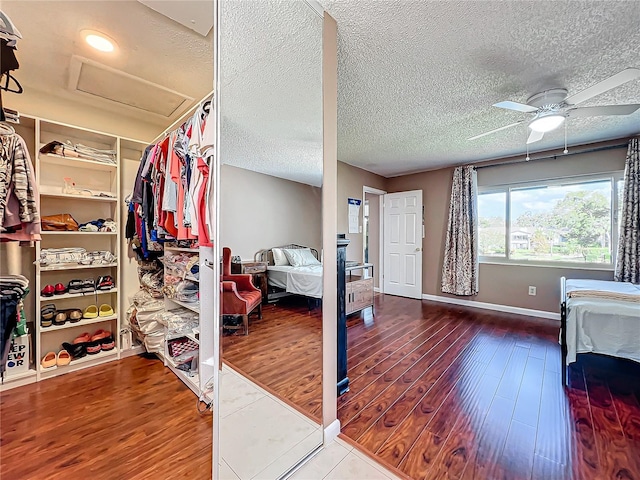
(258, 272)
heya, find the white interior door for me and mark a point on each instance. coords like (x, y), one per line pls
(403, 244)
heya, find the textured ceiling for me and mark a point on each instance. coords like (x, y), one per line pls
(271, 89)
(417, 78)
(150, 46)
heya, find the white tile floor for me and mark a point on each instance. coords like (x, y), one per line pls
(261, 438)
(340, 461)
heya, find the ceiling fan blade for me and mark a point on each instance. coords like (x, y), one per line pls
(601, 87)
(496, 130)
(518, 107)
(603, 110)
(534, 136)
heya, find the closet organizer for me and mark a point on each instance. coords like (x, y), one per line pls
(74, 267)
(170, 228)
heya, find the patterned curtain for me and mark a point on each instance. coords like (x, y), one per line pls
(628, 260)
(460, 269)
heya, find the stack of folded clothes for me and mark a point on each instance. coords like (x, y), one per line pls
(68, 149)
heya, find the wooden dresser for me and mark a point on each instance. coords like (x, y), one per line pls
(359, 287)
(258, 272)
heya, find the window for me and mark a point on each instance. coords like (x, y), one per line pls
(555, 222)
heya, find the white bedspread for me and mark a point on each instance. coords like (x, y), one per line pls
(602, 325)
(305, 280)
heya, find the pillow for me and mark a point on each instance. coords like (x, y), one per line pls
(279, 258)
(300, 257)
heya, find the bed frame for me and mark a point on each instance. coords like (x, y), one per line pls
(563, 330)
(275, 293)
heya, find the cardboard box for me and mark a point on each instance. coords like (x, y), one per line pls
(18, 361)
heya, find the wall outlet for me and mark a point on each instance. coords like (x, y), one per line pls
(532, 290)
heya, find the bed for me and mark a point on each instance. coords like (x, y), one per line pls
(599, 317)
(304, 278)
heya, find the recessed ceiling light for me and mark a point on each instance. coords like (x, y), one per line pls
(99, 41)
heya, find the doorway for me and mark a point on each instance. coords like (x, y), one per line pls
(372, 233)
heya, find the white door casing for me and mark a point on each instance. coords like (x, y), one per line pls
(403, 244)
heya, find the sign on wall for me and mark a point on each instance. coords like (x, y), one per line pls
(354, 215)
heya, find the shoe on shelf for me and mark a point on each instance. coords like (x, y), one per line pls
(60, 318)
(49, 360)
(60, 289)
(94, 347)
(105, 282)
(100, 334)
(90, 312)
(63, 358)
(75, 286)
(89, 286)
(48, 291)
(106, 310)
(82, 338)
(74, 315)
(47, 313)
(107, 343)
(76, 350)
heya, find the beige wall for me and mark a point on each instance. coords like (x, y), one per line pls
(350, 182)
(502, 284)
(259, 211)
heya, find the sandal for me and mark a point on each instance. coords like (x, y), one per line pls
(76, 350)
(105, 283)
(107, 344)
(47, 313)
(60, 318)
(48, 291)
(60, 289)
(49, 360)
(63, 358)
(94, 347)
(90, 312)
(105, 310)
(74, 315)
(100, 334)
(81, 339)
(89, 286)
(75, 286)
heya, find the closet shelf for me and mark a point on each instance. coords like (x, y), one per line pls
(97, 358)
(79, 233)
(194, 307)
(83, 322)
(53, 298)
(57, 268)
(75, 162)
(79, 197)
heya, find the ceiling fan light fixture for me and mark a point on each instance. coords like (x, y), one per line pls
(546, 123)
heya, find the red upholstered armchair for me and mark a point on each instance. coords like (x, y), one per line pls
(239, 295)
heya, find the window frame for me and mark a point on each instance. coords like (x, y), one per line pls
(613, 177)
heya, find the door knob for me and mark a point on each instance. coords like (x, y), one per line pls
(418, 249)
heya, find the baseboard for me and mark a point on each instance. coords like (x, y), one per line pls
(376, 289)
(493, 306)
(130, 352)
(332, 431)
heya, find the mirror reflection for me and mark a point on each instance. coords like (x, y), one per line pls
(270, 236)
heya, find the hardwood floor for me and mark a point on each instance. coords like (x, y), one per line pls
(442, 391)
(131, 419)
(437, 391)
(283, 353)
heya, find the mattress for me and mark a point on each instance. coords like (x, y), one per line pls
(602, 325)
(305, 280)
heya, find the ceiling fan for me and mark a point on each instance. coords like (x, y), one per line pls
(551, 107)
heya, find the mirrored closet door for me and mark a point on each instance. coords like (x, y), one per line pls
(271, 155)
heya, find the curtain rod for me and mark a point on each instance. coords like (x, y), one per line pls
(546, 157)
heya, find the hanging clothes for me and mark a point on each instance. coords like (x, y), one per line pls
(19, 198)
(169, 199)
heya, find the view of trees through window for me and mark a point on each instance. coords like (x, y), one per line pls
(551, 223)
